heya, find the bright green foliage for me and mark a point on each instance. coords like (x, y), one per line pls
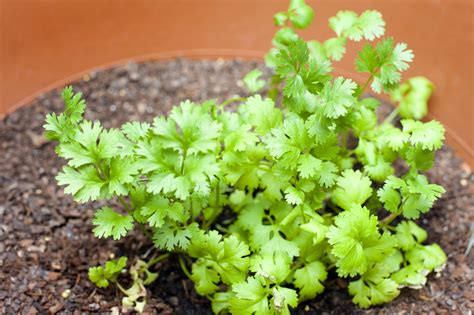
(384, 63)
(110, 223)
(413, 96)
(299, 14)
(309, 279)
(352, 189)
(101, 276)
(252, 81)
(357, 242)
(260, 204)
(369, 25)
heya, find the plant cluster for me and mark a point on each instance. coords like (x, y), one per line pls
(262, 202)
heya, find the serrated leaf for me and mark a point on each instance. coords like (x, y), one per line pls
(252, 81)
(110, 223)
(309, 279)
(353, 188)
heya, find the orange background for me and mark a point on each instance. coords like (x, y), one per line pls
(46, 43)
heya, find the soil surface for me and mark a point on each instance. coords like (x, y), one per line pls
(46, 243)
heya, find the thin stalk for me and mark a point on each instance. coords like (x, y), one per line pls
(364, 86)
(391, 116)
(184, 268)
(303, 215)
(124, 203)
(156, 260)
(388, 219)
(297, 265)
(145, 231)
(121, 288)
(182, 163)
(230, 101)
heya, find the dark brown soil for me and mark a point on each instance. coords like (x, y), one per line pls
(46, 244)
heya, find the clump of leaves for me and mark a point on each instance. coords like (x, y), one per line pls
(309, 180)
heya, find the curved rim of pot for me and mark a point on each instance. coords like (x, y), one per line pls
(160, 56)
(205, 54)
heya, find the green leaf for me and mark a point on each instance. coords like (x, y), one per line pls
(252, 81)
(280, 18)
(353, 188)
(300, 14)
(413, 96)
(309, 166)
(294, 196)
(336, 98)
(328, 174)
(385, 63)
(97, 276)
(188, 129)
(389, 195)
(275, 267)
(368, 25)
(409, 234)
(368, 293)
(159, 208)
(431, 257)
(110, 223)
(309, 279)
(428, 136)
(250, 297)
(413, 276)
(262, 114)
(283, 299)
(84, 184)
(63, 127)
(356, 241)
(114, 267)
(171, 236)
(240, 139)
(205, 278)
(135, 130)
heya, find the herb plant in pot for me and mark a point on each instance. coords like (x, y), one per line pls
(260, 202)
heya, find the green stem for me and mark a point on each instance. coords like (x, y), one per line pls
(297, 265)
(182, 163)
(391, 116)
(121, 288)
(230, 101)
(221, 228)
(156, 260)
(388, 219)
(145, 231)
(362, 89)
(344, 140)
(184, 268)
(305, 220)
(124, 204)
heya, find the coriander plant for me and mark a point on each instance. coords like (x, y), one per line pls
(304, 174)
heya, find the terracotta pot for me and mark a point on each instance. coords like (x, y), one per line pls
(45, 44)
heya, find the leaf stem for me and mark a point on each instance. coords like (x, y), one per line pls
(391, 116)
(156, 260)
(388, 219)
(230, 101)
(362, 89)
(182, 163)
(183, 267)
(121, 288)
(145, 231)
(124, 203)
